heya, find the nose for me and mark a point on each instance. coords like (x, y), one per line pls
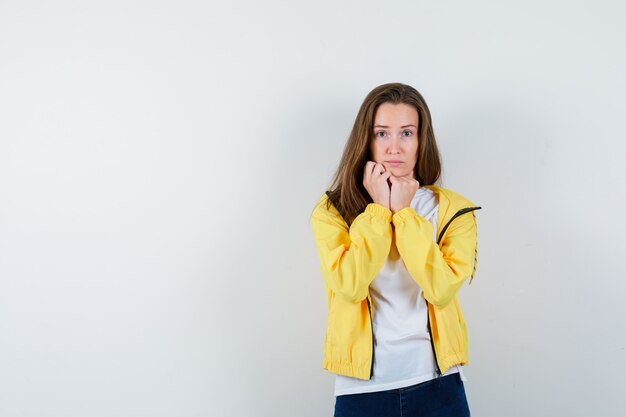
(394, 146)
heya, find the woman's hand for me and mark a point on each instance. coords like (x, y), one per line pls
(375, 182)
(403, 190)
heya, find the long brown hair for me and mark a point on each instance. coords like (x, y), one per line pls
(347, 192)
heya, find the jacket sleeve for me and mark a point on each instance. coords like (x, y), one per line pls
(439, 271)
(351, 259)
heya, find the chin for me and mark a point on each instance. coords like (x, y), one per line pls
(398, 173)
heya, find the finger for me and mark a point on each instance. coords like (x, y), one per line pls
(374, 168)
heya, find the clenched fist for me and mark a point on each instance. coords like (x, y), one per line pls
(403, 190)
(375, 182)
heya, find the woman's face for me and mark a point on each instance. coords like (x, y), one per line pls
(395, 138)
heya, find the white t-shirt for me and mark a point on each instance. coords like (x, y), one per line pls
(403, 353)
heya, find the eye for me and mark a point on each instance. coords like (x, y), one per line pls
(381, 134)
(407, 133)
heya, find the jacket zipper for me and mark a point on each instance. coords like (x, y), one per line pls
(432, 343)
(369, 309)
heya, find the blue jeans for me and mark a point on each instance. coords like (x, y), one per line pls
(439, 397)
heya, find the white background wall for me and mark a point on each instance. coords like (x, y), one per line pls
(159, 161)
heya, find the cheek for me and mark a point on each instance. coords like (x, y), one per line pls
(375, 152)
(415, 150)
(411, 149)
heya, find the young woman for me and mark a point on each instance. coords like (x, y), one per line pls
(394, 250)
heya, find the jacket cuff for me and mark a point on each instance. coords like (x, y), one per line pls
(403, 215)
(379, 211)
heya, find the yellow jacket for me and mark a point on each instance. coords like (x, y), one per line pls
(350, 259)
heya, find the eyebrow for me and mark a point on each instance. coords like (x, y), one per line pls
(400, 126)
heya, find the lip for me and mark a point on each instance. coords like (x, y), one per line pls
(394, 163)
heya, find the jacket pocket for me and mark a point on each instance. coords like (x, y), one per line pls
(451, 329)
(348, 322)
